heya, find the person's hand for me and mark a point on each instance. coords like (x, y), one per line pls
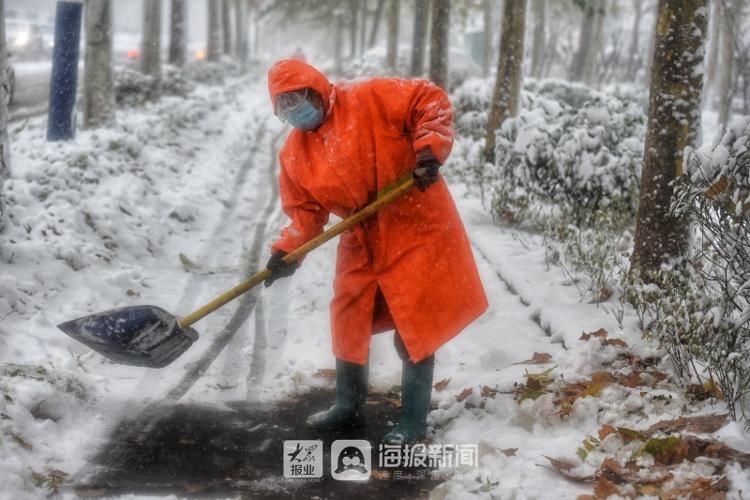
(279, 268)
(426, 172)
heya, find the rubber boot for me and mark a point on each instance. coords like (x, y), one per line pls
(351, 391)
(416, 389)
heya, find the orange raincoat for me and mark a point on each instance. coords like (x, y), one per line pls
(414, 250)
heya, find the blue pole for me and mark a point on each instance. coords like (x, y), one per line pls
(64, 80)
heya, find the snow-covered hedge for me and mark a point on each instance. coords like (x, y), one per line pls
(133, 88)
(702, 313)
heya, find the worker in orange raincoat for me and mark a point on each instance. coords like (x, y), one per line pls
(410, 266)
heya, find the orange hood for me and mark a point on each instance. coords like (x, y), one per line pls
(289, 75)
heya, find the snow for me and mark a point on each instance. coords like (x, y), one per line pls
(101, 222)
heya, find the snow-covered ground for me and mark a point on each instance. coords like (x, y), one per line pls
(174, 204)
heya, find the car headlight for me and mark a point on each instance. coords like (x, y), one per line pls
(22, 39)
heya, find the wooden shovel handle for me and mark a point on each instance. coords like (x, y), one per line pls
(385, 196)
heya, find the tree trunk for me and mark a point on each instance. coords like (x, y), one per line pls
(4, 89)
(635, 37)
(439, 42)
(391, 59)
(240, 30)
(226, 27)
(419, 43)
(362, 27)
(585, 41)
(509, 71)
(98, 95)
(673, 123)
(537, 48)
(376, 23)
(486, 37)
(592, 60)
(213, 52)
(714, 42)
(353, 18)
(725, 90)
(151, 50)
(177, 32)
(338, 44)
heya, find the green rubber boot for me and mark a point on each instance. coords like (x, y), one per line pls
(416, 389)
(351, 391)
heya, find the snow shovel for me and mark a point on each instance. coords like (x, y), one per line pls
(149, 336)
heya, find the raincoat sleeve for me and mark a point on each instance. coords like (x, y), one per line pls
(307, 217)
(423, 110)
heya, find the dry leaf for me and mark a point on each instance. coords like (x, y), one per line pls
(488, 392)
(617, 342)
(601, 332)
(509, 452)
(702, 423)
(605, 431)
(604, 488)
(537, 359)
(563, 467)
(325, 373)
(464, 394)
(439, 386)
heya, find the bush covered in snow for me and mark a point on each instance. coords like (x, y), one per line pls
(702, 310)
(133, 88)
(570, 148)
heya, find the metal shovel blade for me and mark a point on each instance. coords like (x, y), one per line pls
(136, 335)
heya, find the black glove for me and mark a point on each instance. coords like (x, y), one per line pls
(426, 172)
(279, 268)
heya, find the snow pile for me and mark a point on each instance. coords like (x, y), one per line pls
(91, 224)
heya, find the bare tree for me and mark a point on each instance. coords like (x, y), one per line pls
(487, 38)
(240, 30)
(725, 90)
(226, 27)
(584, 65)
(673, 123)
(635, 37)
(419, 42)
(98, 95)
(214, 31)
(376, 16)
(151, 49)
(4, 96)
(714, 42)
(538, 40)
(392, 53)
(354, 22)
(177, 33)
(338, 43)
(439, 42)
(362, 27)
(509, 71)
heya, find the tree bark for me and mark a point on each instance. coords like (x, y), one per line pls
(487, 37)
(673, 123)
(377, 15)
(439, 42)
(362, 27)
(226, 27)
(4, 90)
(419, 43)
(338, 44)
(354, 19)
(392, 53)
(98, 94)
(539, 38)
(151, 50)
(509, 71)
(590, 74)
(213, 52)
(177, 33)
(725, 88)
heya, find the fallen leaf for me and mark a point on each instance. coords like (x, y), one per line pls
(488, 392)
(563, 467)
(509, 452)
(325, 373)
(702, 488)
(604, 488)
(439, 386)
(464, 394)
(605, 431)
(601, 332)
(629, 435)
(698, 424)
(537, 359)
(617, 342)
